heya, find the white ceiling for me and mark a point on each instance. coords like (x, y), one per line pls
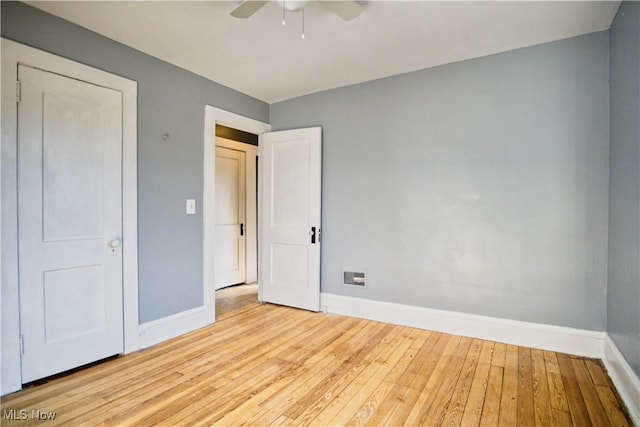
(260, 57)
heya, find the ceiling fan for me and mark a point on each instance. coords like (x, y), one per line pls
(346, 9)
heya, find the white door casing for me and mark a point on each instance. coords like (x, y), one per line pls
(291, 209)
(230, 262)
(70, 222)
(213, 116)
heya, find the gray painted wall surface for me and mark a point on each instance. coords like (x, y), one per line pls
(479, 186)
(623, 296)
(170, 100)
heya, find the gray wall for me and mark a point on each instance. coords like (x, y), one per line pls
(623, 294)
(170, 100)
(479, 186)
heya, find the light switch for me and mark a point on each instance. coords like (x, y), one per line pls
(191, 206)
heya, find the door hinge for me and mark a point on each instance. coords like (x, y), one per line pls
(21, 344)
(18, 91)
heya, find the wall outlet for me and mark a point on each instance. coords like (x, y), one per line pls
(191, 206)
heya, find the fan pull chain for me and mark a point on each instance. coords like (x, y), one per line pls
(302, 35)
(284, 21)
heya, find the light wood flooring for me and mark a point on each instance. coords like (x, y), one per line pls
(235, 297)
(270, 365)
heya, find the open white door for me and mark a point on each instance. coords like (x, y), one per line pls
(70, 222)
(291, 197)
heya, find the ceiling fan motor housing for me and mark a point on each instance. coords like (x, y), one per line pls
(293, 5)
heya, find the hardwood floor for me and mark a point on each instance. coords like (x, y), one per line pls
(235, 297)
(271, 365)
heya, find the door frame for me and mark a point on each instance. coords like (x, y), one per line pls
(12, 54)
(213, 116)
(251, 207)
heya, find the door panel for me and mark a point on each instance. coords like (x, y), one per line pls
(69, 123)
(230, 251)
(291, 188)
(70, 222)
(81, 288)
(290, 163)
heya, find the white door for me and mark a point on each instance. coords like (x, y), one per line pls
(291, 190)
(70, 222)
(230, 253)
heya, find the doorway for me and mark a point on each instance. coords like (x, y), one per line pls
(216, 116)
(236, 218)
(296, 156)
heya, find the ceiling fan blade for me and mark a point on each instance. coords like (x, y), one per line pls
(247, 8)
(345, 9)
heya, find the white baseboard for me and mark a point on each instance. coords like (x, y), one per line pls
(156, 331)
(547, 337)
(625, 380)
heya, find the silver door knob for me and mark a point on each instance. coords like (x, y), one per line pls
(115, 243)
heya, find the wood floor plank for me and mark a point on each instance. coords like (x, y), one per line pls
(460, 393)
(77, 410)
(615, 413)
(285, 376)
(422, 400)
(298, 366)
(597, 372)
(541, 397)
(509, 400)
(230, 395)
(398, 388)
(575, 401)
(317, 399)
(72, 382)
(348, 400)
(597, 413)
(437, 394)
(230, 300)
(194, 376)
(363, 404)
(202, 367)
(526, 407)
(557, 395)
(475, 401)
(499, 354)
(562, 418)
(491, 406)
(294, 392)
(419, 391)
(372, 410)
(156, 367)
(252, 418)
(270, 365)
(225, 372)
(425, 363)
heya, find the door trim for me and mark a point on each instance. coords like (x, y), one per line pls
(12, 54)
(213, 116)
